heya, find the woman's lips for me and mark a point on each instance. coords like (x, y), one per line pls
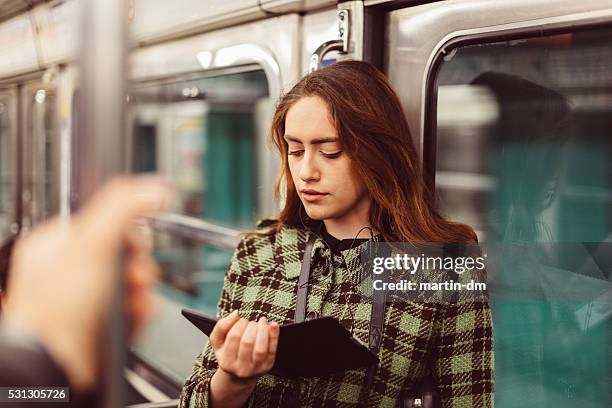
(312, 195)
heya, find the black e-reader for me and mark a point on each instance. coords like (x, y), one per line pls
(313, 348)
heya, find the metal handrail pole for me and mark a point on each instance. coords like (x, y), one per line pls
(100, 152)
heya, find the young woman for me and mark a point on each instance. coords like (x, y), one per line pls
(349, 172)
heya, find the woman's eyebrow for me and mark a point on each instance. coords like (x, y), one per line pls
(290, 138)
(318, 140)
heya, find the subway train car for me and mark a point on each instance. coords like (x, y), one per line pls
(509, 103)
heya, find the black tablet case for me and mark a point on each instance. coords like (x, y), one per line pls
(313, 348)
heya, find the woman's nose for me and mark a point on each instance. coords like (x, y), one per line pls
(309, 169)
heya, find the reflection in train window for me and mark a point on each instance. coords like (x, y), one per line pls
(524, 154)
(7, 171)
(202, 132)
(192, 276)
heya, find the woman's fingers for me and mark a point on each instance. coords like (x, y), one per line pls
(245, 348)
(138, 239)
(273, 340)
(245, 353)
(260, 350)
(232, 341)
(222, 328)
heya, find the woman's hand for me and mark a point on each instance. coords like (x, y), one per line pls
(245, 349)
(63, 274)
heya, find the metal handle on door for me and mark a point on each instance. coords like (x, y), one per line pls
(341, 44)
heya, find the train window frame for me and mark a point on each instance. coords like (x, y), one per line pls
(254, 57)
(199, 74)
(181, 226)
(430, 161)
(414, 35)
(430, 115)
(184, 224)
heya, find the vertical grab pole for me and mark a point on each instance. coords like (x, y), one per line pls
(100, 153)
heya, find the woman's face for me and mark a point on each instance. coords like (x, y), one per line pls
(321, 171)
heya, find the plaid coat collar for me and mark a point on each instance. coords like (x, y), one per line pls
(289, 247)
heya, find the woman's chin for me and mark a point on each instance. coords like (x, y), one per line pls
(317, 214)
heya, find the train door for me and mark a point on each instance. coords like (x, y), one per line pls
(199, 112)
(510, 104)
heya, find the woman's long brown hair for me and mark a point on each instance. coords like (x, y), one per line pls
(374, 133)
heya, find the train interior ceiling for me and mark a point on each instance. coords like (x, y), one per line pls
(508, 102)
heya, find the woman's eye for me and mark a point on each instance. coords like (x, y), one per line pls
(332, 155)
(295, 152)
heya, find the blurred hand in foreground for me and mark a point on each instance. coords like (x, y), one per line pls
(63, 274)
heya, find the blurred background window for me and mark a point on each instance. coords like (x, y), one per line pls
(201, 132)
(42, 150)
(524, 155)
(204, 132)
(192, 277)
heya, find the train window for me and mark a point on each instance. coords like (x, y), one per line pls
(41, 152)
(523, 154)
(192, 276)
(7, 169)
(202, 132)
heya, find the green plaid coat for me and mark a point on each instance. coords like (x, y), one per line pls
(451, 342)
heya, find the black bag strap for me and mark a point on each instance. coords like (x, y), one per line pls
(302, 291)
(377, 320)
